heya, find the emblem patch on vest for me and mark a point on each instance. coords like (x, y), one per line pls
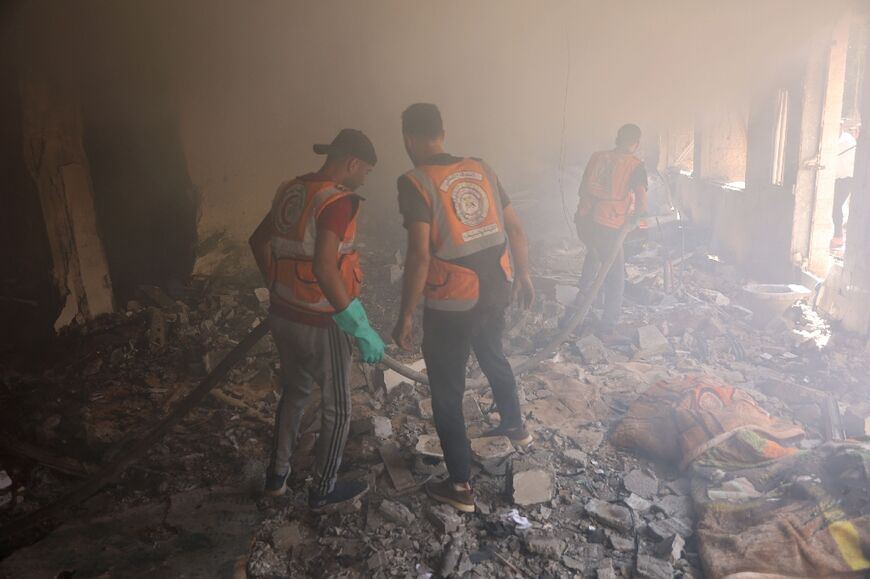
(288, 208)
(470, 202)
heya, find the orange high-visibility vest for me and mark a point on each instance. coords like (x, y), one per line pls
(295, 210)
(605, 193)
(467, 217)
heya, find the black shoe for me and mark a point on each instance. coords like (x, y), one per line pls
(445, 492)
(342, 492)
(276, 484)
(518, 435)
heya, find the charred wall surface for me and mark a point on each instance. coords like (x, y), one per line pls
(29, 301)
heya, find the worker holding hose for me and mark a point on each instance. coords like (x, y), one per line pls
(460, 226)
(305, 249)
(613, 190)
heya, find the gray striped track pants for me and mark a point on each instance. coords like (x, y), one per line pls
(310, 355)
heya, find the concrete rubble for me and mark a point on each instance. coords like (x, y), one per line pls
(580, 507)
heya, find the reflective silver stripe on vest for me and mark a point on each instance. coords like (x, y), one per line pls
(288, 248)
(450, 250)
(286, 294)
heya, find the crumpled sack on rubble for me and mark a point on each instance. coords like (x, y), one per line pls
(811, 518)
(700, 419)
(765, 509)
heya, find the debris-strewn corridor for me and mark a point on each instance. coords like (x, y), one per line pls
(578, 290)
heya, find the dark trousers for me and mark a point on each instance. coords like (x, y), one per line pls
(448, 338)
(599, 241)
(842, 190)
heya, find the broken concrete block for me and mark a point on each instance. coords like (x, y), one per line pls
(399, 473)
(674, 506)
(429, 445)
(575, 457)
(424, 408)
(588, 557)
(5, 480)
(642, 483)
(638, 504)
(587, 440)
(451, 556)
(471, 410)
(396, 272)
(671, 549)
(613, 516)
(550, 547)
(856, 421)
(444, 518)
(531, 487)
(651, 341)
(393, 383)
(573, 564)
(620, 543)
(397, 513)
(429, 465)
(288, 536)
(592, 350)
(648, 567)
(382, 427)
(491, 448)
(604, 567)
(663, 529)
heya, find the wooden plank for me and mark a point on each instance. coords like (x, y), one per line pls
(400, 475)
(69, 466)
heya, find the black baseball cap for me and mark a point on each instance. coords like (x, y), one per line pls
(350, 142)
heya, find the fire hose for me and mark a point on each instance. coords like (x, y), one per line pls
(585, 299)
(115, 468)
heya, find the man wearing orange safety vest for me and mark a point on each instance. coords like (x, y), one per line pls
(305, 249)
(613, 190)
(460, 225)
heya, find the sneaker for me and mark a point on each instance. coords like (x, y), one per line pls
(276, 484)
(445, 492)
(518, 435)
(837, 243)
(342, 492)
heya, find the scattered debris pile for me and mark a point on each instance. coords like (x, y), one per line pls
(573, 504)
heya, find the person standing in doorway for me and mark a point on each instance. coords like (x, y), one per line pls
(846, 146)
(612, 191)
(305, 249)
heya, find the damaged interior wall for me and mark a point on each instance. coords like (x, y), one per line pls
(255, 98)
(847, 288)
(29, 299)
(93, 139)
(193, 112)
(780, 221)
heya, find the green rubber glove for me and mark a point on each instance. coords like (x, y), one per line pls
(354, 321)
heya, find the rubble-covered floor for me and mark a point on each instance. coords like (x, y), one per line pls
(570, 505)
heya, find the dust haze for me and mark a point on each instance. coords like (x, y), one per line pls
(530, 86)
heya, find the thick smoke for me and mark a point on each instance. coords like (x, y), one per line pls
(256, 83)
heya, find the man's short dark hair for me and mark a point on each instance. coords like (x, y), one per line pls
(627, 135)
(422, 120)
